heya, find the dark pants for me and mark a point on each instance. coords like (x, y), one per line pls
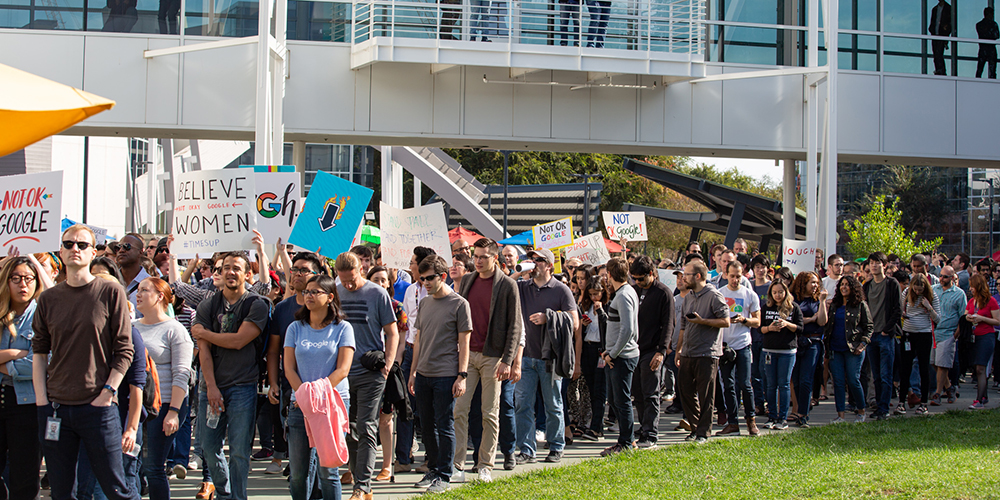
(569, 22)
(19, 447)
(920, 348)
(756, 375)
(154, 459)
(881, 353)
(180, 451)
(804, 375)
(437, 419)
(86, 483)
(600, 11)
(404, 428)
(596, 384)
(166, 17)
(736, 377)
(646, 390)
(366, 401)
(269, 428)
(987, 55)
(99, 430)
(450, 20)
(938, 47)
(697, 377)
(507, 441)
(621, 397)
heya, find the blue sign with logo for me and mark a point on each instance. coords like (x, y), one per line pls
(331, 215)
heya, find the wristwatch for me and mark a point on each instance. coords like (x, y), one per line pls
(114, 392)
(464, 375)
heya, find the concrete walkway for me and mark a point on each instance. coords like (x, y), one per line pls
(266, 487)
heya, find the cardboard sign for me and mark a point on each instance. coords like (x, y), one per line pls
(631, 225)
(279, 201)
(406, 228)
(31, 212)
(214, 211)
(331, 215)
(798, 256)
(555, 234)
(590, 249)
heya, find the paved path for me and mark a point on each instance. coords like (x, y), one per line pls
(266, 487)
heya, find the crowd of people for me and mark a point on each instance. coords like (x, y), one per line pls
(123, 366)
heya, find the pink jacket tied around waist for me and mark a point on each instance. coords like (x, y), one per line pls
(326, 421)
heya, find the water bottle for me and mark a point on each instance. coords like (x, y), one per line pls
(212, 420)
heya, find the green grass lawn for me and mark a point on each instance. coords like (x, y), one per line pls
(954, 455)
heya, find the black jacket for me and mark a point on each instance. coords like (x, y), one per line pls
(656, 319)
(558, 349)
(893, 307)
(857, 327)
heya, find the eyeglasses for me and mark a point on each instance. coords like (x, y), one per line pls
(313, 293)
(482, 257)
(301, 270)
(82, 245)
(126, 247)
(17, 280)
(428, 279)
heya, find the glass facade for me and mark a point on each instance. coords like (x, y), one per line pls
(984, 186)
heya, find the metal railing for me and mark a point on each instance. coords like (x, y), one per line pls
(641, 25)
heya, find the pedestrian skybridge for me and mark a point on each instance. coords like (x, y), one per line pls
(602, 38)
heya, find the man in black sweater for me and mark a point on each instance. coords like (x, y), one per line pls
(656, 327)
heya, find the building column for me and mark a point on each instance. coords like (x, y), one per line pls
(788, 201)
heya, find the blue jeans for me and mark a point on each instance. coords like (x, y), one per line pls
(621, 397)
(882, 352)
(86, 483)
(480, 20)
(199, 430)
(303, 463)
(99, 430)
(845, 368)
(778, 370)
(533, 374)
(736, 377)
(180, 452)
(569, 22)
(507, 440)
(154, 459)
(756, 373)
(599, 14)
(237, 421)
(804, 374)
(404, 428)
(437, 420)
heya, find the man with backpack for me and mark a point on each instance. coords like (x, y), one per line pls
(228, 330)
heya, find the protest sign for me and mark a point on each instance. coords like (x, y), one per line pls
(590, 249)
(798, 256)
(279, 201)
(555, 234)
(667, 277)
(631, 225)
(402, 229)
(214, 211)
(100, 233)
(30, 212)
(331, 215)
(270, 168)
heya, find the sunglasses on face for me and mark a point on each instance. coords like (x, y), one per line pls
(125, 247)
(428, 279)
(216, 270)
(82, 245)
(539, 260)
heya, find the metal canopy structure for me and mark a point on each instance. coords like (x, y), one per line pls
(733, 212)
(529, 205)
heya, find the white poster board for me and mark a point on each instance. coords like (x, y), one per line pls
(31, 212)
(631, 225)
(667, 277)
(100, 233)
(214, 211)
(798, 256)
(590, 249)
(555, 234)
(279, 202)
(406, 228)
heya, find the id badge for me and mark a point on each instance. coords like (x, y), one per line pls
(906, 346)
(52, 427)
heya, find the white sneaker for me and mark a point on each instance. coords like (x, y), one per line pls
(838, 420)
(540, 436)
(195, 463)
(179, 471)
(458, 476)
(485, 475)
(273, 468)
(438, 486)
(860, 418)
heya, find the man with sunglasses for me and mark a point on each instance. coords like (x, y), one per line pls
(75, 391)
(656, 328)
(128, 260)
(151, 246)
(540, 294)
(440, 368)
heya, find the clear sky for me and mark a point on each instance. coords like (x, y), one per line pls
(754, 168)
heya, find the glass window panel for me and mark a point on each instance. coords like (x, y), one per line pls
(236, 18)
(904, 16)
(970, 12)
(750, 45)
(123, 16)
(10, 18)
(51, 19)
(903, 55)
(746, 11)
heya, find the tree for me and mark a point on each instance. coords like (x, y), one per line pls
(920, 191)
(881, 230)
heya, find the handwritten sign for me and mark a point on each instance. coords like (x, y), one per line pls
(214, 211)
(30, 212)
(555, 234)
(404, 229)
(278, 203)
(667, 277)
(631, 225)
(798, 256)
(590, 249)
(332, 212)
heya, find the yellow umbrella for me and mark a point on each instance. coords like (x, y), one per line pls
(33, 108)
